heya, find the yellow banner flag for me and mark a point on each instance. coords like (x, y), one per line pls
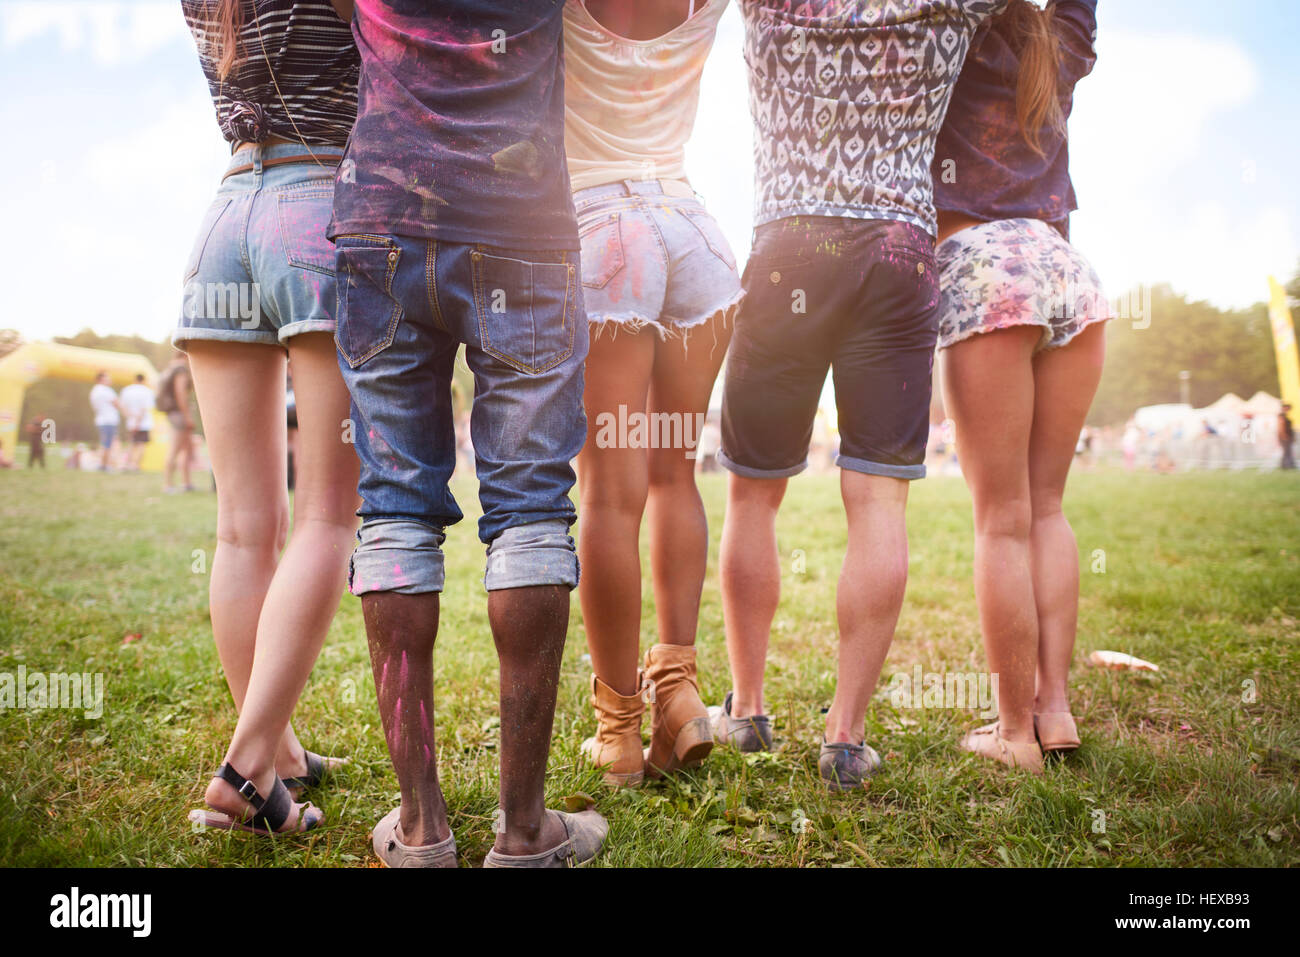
(1288, 360)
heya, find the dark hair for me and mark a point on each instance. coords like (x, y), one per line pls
(1037, 102)
(139, 377)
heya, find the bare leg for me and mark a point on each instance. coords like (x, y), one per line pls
(304, 592)
(870, 594)
(989, 392)
(612, 490)
(750, 569)
(261, 616)
(186, 459)
(529, 626)
(1065, 381)
(401, 630)
(679, 531)
(240, 397)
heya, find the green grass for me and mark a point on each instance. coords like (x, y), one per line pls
(1202, 576)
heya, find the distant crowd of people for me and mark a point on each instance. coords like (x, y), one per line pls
(124, 426)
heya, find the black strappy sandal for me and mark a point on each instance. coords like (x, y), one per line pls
(271, 811)
(317, 768)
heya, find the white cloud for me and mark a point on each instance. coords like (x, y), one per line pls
(110, 33)
(1151, 100)
(122, 214)
(1147, 117)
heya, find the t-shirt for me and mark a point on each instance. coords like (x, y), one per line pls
(295, 77)
(847, 98)
(460, 125)
(102, 399)
(137, 404)
(983, 167)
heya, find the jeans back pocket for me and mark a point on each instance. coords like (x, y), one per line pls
(525, 309)
(303, 217)
(602, 251)
(367, 312)
(206, 227)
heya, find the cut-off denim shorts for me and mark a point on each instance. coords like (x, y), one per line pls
(261, 269)
(652, 256)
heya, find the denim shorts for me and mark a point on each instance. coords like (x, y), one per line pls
(858, 298)
(405, 305)
(107, 433)
(1016, 272)
(261, 269)
(653, 257)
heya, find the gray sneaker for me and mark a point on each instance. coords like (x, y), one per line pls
(396, 854)
(753, 733)
(845, 766)
(586, 832)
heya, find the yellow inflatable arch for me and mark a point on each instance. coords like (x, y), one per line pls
(33, 361)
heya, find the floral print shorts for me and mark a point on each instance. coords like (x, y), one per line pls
(1016, 272)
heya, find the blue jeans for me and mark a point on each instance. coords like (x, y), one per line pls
(405, 307)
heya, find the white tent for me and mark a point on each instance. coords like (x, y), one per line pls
(1262, 404)
(1229, 402)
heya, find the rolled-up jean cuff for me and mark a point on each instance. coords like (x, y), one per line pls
(746, 471)
(907, 472)
(398, 556)
(540, 553)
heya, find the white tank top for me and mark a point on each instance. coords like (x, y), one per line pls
(630, 104)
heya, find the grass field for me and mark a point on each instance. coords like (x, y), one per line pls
(1196, 765)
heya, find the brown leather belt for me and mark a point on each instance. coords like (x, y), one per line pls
(325, 161)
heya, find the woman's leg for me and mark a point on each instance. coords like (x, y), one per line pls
(989, 392)
(1065, 381)
(240, 389)
(681, 383)
(612, 496)
(305, 590)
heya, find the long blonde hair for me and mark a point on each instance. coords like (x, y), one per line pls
(1037, 103)
(225, 18)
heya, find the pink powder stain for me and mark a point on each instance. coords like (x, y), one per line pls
(635, 234)
(428, 755)
(424, 723)
(401, 674)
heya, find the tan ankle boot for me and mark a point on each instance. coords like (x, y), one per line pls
(679, 723)
(617, 745)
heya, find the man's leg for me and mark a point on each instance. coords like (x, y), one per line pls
(529, 626)
(870, 594)
(528, 425)
(399, 373)
(750, 571)
(401, 630)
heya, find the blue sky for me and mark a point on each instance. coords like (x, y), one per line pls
(1185, 147)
